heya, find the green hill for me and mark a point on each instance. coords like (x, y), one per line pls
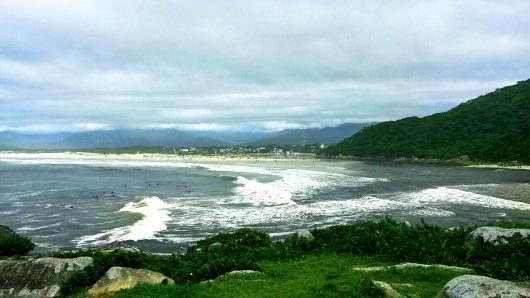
(494, 127)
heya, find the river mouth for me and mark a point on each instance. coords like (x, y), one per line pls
(165, 206)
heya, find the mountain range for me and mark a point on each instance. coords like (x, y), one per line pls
(123, 138)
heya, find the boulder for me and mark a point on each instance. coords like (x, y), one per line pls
(476, 286)
(120, 278)
(305, 233)
(6, 231)
(495, 235)
(37, 277)
(389, 291)
(413, 265)
(216, 246)
(238, 275)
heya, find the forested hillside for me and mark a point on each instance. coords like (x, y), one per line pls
(493, 127)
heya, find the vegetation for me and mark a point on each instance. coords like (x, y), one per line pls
(494, 128)
(385, 241)
(15, 245)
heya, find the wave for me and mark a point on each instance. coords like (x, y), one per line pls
(289, 186)
(28, 228)
(447, 196)
(261, 194)
(155, 216)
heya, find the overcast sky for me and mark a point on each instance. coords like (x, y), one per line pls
(264, 65)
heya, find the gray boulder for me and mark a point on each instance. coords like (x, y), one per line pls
(495, 234)
(305, 233)
(37, 277)
(388, 290)
(120, 278)
(6, 231)
(475, 286)
(216, 246)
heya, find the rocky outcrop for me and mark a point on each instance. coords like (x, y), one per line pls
(238, 275)
(413, 265)
(388, 290)
(37, 277)
(305, 233)
(495, 234)
(475, 286)
(120, 278)
(6, 231)
(214, 247)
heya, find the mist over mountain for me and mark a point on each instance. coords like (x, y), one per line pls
(15, 140)
(326, 135)
(123, 138)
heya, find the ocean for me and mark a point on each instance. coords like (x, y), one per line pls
(165, 204)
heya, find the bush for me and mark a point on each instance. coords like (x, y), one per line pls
(15, 245)
(510, 260)
(396, 241)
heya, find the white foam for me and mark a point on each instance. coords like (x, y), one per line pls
(442, 196)
(155, 215)
(28, 228)
(260, 194)
(362, 205)
(96, 160)
(290, 186)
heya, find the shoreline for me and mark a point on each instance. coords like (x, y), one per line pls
(158, 157)
(247, 159)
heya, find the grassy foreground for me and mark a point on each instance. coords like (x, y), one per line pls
(317, 266)
(326, 275)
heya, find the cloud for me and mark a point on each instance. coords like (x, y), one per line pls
(260, 64)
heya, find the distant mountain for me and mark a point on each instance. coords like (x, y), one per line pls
(123, 138)
(493, 127)
(326, 135)
(9, 139)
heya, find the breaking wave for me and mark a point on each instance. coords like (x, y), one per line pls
(155, 215)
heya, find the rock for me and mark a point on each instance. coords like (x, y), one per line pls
(475, 286)
(305, 233)
(6, 231)
(240, 272)
(237, 274)
(37, 277)
(412, 265)
(389, 291)
(216, 246)
(120, 278)
(495, 235)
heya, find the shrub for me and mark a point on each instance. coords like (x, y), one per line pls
(510, 260)
(15, 245)
(396, 241)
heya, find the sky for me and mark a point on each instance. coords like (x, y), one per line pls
(250, 65)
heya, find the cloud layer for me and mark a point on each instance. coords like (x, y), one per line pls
(250, 64)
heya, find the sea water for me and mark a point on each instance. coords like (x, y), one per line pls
(164, 206)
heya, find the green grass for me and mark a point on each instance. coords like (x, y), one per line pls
(326, 275)
(320, 266)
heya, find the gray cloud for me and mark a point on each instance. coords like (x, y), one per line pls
(259, 65)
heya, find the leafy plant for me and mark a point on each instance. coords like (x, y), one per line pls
(15, 245)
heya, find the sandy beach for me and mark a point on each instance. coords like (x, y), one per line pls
(496, 166)
(176, 158)
(154, 157)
